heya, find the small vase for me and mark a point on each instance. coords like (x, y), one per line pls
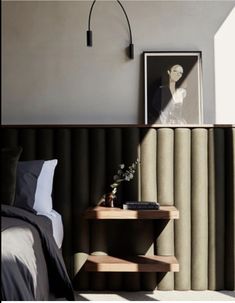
(110, 200)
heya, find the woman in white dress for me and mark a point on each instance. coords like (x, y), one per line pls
(168, 99)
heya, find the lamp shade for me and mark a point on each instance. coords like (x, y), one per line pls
(89, 38)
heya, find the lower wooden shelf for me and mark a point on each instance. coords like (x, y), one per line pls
(131, 264)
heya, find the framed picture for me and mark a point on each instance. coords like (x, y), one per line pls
(173, 88)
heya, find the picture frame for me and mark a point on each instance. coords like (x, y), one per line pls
(173, 87)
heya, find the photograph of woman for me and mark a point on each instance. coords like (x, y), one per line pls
(172, 88)
(168, 99)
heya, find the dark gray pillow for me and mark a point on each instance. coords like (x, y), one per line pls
(26, 183)
(8, 163)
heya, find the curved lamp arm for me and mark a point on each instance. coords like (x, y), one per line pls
(89, 32)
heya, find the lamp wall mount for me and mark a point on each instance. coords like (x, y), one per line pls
(89, 31)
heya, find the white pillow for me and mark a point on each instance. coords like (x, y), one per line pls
(43, 199)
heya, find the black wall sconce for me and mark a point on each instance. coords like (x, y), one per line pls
(89, 32)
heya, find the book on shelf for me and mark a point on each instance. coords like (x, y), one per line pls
(141, 205)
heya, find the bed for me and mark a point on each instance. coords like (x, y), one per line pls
(32, 264)
(32, 268)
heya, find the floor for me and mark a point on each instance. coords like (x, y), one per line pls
(157, 296)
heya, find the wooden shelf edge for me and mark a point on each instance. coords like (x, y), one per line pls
(104, 213)
(140, 263)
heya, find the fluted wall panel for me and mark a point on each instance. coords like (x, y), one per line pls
(98, 243)
(191, 168)
(45, 143)
(199, 225)
(80, 202)
(27, 138)
(165, 181)
(148, 171)
(134, 230)
(230, 210)
(216, 209)
(9, 137)
(182, 200)
(113, 160)
(130, 152)
(62, 188)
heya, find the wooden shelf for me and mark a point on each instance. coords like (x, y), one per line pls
(104, 263)
(131, 264)
(102, 213)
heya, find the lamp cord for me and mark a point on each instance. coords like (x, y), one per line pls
(89, 19)
(127, 19)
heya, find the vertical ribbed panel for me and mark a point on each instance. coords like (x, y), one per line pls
(80, 202)
(113, 157)
(199, 215)
(130, 144)
(62, 192)
(98, 244)
(182, 199)
(148, 162)
(148, 166)
(233, 207)
(114, 228)
(165, 186)
(230, 211)
(130, 151)
(97, 164)
(216, 209)
(87, 160)
(165, 166)
(27, 140)
(9, 137)
(45, 145)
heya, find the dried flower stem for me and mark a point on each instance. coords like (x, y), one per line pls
(122, 175)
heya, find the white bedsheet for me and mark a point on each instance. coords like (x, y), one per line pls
(57, 225)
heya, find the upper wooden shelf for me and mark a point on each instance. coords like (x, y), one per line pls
(102, 213)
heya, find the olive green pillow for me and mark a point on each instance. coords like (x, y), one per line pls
(9, 158)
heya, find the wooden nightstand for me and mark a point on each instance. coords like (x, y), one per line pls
(140, 263)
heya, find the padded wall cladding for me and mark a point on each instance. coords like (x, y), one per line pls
(192, 168)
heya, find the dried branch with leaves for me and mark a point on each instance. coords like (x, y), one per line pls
(123, 175)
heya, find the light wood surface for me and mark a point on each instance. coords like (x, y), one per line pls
(131, 264)
(101, 213)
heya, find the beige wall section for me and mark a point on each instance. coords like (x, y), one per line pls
(50, 76)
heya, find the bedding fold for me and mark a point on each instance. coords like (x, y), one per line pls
(28, 247)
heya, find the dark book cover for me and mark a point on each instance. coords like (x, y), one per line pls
(141, 205)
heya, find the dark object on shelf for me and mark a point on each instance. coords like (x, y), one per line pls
(89, 32)
(141, 205)
(110, 200)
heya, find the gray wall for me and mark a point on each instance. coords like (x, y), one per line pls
(50, 76)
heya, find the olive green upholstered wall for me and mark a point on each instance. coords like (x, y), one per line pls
(189, 167)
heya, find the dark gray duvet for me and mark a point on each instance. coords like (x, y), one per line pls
(32, 265)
